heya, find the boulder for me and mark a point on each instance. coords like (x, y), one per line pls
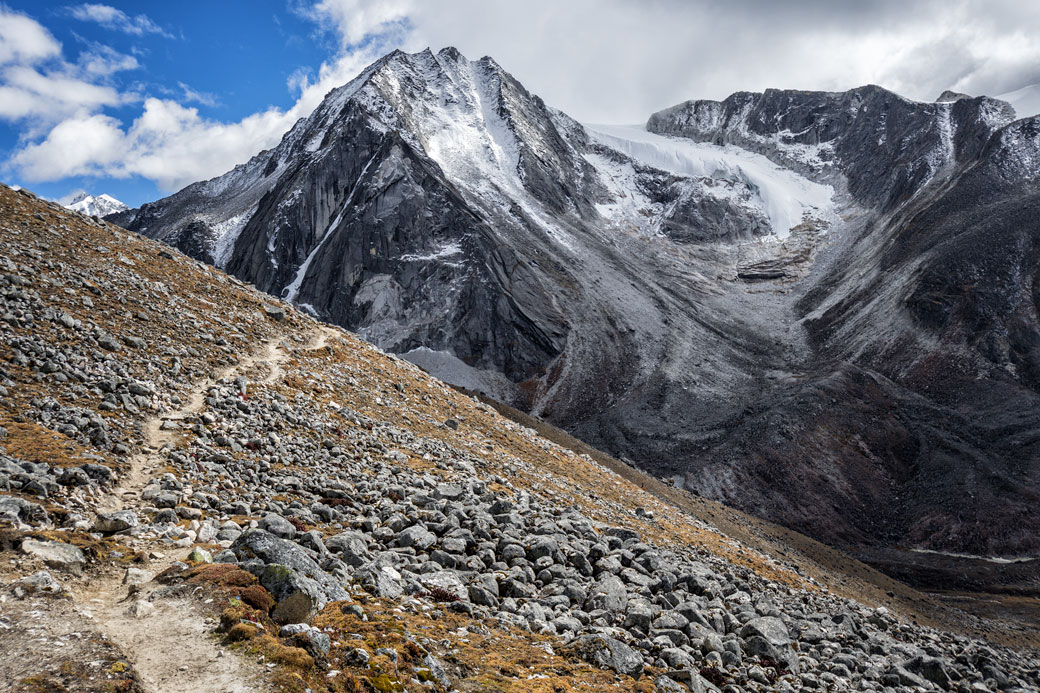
(608, 653)
(416, 536)
(278, 526)
(350, 547)
(57, 555)
(609, 594)
(445, 580)
(380, 580)
(288, 571)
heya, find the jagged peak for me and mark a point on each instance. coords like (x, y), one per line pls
(950, 96)
(450, 53)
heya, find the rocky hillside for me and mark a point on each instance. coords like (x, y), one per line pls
(188, 466)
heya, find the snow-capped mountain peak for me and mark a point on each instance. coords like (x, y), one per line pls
(97, 205)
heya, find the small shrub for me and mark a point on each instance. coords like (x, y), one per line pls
(242, 631)
(276, 652)
(713, 676)
(233, 614)
(222, 575)
(439, 594)
(257, 597)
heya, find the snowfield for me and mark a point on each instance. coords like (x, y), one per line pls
(786, 197)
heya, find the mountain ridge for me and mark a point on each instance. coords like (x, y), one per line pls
(666, 314)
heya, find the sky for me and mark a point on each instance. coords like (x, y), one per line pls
(138, 99)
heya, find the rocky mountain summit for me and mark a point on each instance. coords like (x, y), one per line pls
(814, 306)
(182, 455)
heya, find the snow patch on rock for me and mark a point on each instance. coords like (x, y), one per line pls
(786, 197)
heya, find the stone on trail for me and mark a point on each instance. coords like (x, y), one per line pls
(57, 555)
(110, 523)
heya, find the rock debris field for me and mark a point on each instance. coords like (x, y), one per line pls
(202, 489)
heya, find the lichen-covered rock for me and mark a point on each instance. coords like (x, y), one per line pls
(289, 569)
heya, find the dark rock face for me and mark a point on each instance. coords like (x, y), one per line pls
(919, 407)
(865, 371)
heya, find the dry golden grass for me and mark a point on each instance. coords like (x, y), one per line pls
(500, 660)
(32, 442)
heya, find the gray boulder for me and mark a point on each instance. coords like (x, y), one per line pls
(609, 594)
(380, 580)
(289, 571)
(608, 653)
(57, 555)
(767, 637)
(416, 536)
(278, 526)
(350, 547)
(445, 580)
(109, 523)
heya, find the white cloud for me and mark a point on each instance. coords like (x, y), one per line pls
(117, 20)
(620, 60)
(170, 143)
(167, 143)
(192, 96)
(38, 88)
(48, 97)
(102, 61)
(76, 146)
(72, 195)
(358, 20)
(23, 40)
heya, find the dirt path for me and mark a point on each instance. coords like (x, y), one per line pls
(128, 490)
(169, 638)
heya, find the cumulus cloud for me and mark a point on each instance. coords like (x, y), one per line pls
(23, 40)
(117, 20)
(38, 88)
(47, 97)
(168, 143)
(358, 21)
(620, 60)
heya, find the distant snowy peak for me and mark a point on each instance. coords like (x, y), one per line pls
(97, 205)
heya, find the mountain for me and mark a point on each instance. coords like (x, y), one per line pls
(814, 306)
(97, 206)
(190, 466)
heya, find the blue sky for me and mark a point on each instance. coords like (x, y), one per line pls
(138, 99)
(215, 57)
